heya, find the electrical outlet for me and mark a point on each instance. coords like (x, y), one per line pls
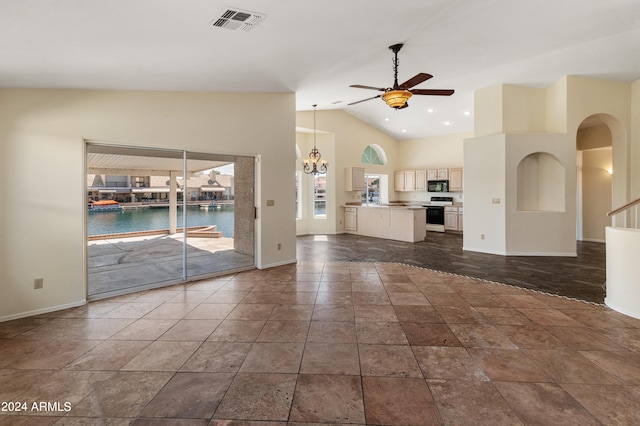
(495, 200)
(482, 236)
(271, 203)
(38, 283)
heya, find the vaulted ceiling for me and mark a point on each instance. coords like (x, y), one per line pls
(318, 48)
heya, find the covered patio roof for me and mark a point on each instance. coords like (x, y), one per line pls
(116, 160)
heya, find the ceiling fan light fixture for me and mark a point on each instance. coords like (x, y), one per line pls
(396, 98)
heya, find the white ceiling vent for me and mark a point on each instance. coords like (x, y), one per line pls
(238, 20)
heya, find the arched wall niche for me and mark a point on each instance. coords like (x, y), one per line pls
(541, 183)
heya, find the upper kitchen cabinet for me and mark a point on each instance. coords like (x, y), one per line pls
(354, 179)
(410, 180)
(421, 180)
(439, 174)
(455, 180)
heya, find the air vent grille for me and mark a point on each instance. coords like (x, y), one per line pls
(238, 20)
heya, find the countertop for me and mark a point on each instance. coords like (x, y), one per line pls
(385, 206)
(399, 206)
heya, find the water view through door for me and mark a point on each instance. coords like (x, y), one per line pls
(159, 217)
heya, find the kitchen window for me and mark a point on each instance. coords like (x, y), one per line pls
(371, 193)
(320, 196)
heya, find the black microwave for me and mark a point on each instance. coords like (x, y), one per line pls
(438, 185)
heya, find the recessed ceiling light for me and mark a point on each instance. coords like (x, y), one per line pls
(430, 110)
(404, 130)
(467, 113)
(447, 123)
(386, 119)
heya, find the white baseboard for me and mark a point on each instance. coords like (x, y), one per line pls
(273, 265)
(522, 253)
(593, 240)
(42, 311)
(500, 253)
(537, 253)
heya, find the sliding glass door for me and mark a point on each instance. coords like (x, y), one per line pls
(158, 217)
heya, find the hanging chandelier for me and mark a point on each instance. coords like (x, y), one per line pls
(313, 164)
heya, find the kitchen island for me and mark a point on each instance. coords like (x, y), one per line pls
(392, 222)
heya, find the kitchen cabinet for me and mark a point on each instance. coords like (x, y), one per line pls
(407, 224)
(421, 180)
(395, 223)
(398, 181)
(374, 222)
(443, 174)
(410, 180)
(451, 218)
(354, 179)
(455, 180)
(432, 174)
(350, 219)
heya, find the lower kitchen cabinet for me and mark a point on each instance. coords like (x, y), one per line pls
(453, 218)
(350, 219)
(401, 224)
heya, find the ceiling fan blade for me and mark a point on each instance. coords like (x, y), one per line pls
(415, 80)
(364, 100)
(433, 92)
(359, 86)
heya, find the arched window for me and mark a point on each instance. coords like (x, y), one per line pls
(373, 154)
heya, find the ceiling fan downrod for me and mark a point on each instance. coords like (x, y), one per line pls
(395, 49)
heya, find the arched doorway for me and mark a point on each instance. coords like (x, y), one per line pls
(597, 138)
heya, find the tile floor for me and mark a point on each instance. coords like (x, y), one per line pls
(325, 343)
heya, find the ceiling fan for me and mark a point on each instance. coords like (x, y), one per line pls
(398, 95)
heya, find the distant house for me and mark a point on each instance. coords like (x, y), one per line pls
(149, 189)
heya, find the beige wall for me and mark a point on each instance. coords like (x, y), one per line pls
(525, 109)
(484, 181)
(437, 152)
(552, 230)
(509, 109)
(351, 137)
(593, 137)
(42, 134)
(487, 113)
(596, 193)
(564, 106)
(611, 101)
(556, 106)
(634, 154)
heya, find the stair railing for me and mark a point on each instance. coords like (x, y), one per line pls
(632, 216)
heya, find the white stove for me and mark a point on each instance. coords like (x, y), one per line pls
(435, 213)
(441, 201)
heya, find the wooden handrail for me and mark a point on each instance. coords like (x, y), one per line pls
(626, 206)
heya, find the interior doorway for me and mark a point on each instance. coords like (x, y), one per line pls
(158, 217)
(595, 168)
